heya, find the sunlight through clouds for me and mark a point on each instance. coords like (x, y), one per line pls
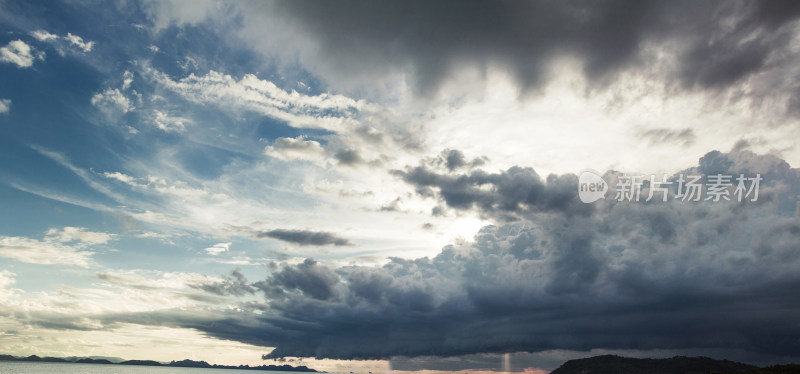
(394, 187)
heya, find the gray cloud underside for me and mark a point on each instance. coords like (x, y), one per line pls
(507, 195)
(619, 276)
(304, 237)
(662, 136)
(656, 275)
(235, 284)
(713, 43)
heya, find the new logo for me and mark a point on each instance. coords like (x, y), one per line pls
(591, 187)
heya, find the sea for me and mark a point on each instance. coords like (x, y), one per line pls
(69, 368)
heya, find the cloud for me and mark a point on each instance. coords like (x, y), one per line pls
(453, 159)
(59, 41)
(78, 42)
(679, 45)
(150, 280)
(310, 278)
(5, 105)
(19, 53)
(507, 195)
(127, 79)
(348, 157)
(236, 285)
(721, 53)
(43, 36)
(66, 246)
(662, 136)
(113, 99)
(624, 275)
(124, 178)
(430, 40)
(164, 13)
(325, 111)
(166, 122)
(6, 281)
(296, 149)
(304, 237)
(218, 248)
(79, 235)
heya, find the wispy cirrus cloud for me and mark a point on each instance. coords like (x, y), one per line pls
(70, 39)
(218, 248)
(65, 246)
(325, 111)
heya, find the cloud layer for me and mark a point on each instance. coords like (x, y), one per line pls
(304, 237)
(621, 275)
(710, 45)
(67, 246)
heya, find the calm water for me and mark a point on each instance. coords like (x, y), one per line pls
(48, 367)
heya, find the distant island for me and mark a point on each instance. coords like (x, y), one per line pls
(183, 363)
(611, 364)
(606, 364)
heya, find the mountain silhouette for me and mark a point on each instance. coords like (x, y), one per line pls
(612, 364)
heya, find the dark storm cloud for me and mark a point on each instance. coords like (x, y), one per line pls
(309, 277)
(713, 43)
(508, 195)
(628, 276)
(304, 237)
(738, 43)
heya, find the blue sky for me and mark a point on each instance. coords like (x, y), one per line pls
(208, 177)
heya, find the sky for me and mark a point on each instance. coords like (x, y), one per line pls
(393, 186)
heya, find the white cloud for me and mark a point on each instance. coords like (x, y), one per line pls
(5, 105)
(6, 281)
(79, 235)
(563, 130)
(325, 111)
(42, 252)
(19, 53)
(218, 248)
(113, 99)
(43, 36)
(78, 42)
(127, 179)
(66, 246)
(58, 41)
(154, 235)
(166, 122)
(189, 63)
(155, 280)
(127, 79)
